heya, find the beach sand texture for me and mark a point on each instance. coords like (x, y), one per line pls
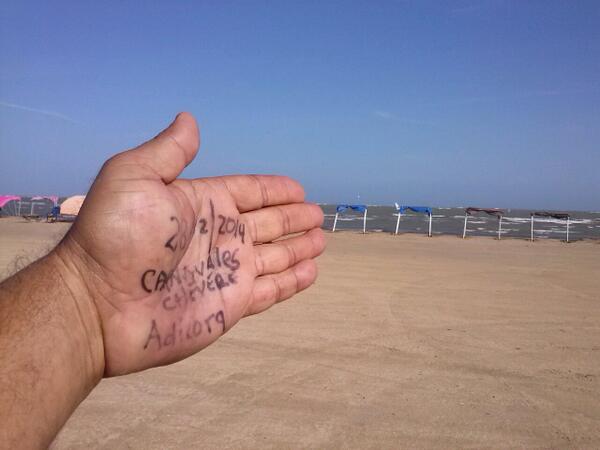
(404, 341)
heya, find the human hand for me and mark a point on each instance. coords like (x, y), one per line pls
(171, 264)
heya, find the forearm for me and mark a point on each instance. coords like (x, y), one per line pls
(51, 351)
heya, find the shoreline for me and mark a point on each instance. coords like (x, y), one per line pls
(590, 240)
(28, 240)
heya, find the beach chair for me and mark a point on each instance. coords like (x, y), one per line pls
(53, 215)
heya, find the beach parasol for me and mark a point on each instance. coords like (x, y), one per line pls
(72, 205)
(489, 211)
(5, 199)
(418, 209)
(359, 208)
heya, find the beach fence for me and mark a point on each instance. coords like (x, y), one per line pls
(417, 209)
(552, 215)
(340, 209)
(515, 223)
(489, 211)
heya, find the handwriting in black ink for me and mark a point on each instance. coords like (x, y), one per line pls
(232, 226)
(171, 244)
(189, 283)
(219, 318)
(212, 226)
(202, 226)
(179, 238)
(177, 332)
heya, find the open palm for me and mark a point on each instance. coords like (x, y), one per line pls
(171, 264)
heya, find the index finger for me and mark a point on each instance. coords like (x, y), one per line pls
(251, 192)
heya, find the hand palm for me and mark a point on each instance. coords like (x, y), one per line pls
(173, 264)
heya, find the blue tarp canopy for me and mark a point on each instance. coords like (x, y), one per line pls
(359, 208)
(417, 209)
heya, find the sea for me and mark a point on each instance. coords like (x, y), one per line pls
(446, 221)
(450, 221)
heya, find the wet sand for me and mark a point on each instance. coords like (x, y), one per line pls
(404, 341)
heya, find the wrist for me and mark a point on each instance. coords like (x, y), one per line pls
(51, 346)
(80, 307)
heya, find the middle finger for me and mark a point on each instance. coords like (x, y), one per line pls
(268, 224)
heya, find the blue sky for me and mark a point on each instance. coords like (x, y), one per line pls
(493, 103)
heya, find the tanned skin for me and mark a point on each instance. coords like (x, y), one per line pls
(154, 269)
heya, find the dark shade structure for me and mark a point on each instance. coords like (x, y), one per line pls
(417, 209)
(553, 215)
(489, 211)
(345, 207)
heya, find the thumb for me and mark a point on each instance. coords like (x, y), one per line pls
(171, 150)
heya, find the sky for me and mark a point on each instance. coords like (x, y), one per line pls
(452, 103)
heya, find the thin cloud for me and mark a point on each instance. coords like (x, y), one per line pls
(44, 112)
(386, 115)
(475, 7)
(525, 94)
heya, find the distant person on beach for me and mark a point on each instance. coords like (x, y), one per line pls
(154, 269)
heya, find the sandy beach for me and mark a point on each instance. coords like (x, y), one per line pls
(405, 341)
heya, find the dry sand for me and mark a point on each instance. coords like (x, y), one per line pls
(404, 342)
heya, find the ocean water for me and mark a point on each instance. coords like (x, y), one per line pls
(515, 224)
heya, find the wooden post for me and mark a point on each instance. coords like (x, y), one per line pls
(334, 222)
(532, 228)
(499, 227)
(465, 228)
(429, 234)
(365, 222)
(398, 221)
